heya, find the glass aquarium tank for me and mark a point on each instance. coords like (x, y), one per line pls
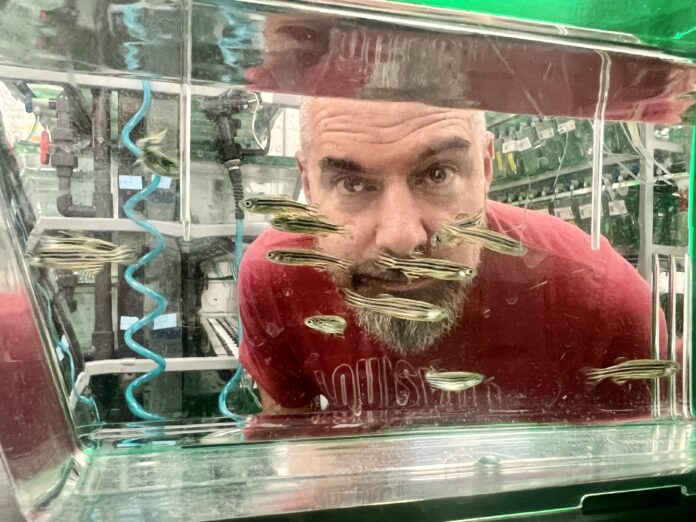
(347, 259)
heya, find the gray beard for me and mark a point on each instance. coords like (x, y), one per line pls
(413, 337)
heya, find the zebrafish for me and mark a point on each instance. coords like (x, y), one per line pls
(633, 370)
(299, 224)
(463, 221)
(398, 307)
(426, 267)
(154, 158)
(328, 324)
(77, 253)
(453, 381)
(277, 205)
(306, 257)
(451, 234)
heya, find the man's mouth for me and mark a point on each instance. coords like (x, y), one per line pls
(388, 282)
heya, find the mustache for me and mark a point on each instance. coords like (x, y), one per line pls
(370, 268)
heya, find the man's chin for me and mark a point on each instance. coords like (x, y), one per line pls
(412, 337)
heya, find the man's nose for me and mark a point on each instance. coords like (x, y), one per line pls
(400, 225)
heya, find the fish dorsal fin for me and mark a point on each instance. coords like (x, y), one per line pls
(417, 255)
(383, 296)
(620, 360)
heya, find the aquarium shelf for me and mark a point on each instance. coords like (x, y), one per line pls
(174, 364)
(666, 250)
(668, 146)
(167, 228)
(587, 190)
(133, 365)
(609, 160)
(119, 82)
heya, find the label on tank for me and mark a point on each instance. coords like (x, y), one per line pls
(565, 213)
(545, 134)
(586, 211)
(524, 144)
(566, 126)
(130, 182)
(509, 146)
(617, 208)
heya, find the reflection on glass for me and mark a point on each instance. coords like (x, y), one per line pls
(411, 199)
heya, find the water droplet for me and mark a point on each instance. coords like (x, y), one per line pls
(273, 329)
(511, 300)
(314, 357)
(489, 460)
(268, 361)
(533, 258)
(487, 313)
(287, 292)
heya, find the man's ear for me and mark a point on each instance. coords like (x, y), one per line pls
(488, 153)
(304, 177)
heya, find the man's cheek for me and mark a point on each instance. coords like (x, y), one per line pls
(345, 245)
(334, 244)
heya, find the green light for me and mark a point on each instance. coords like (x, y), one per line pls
(692, 247)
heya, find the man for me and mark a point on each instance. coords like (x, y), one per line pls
(391, 174)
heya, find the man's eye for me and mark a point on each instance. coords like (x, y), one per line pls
(436, 177)
(352, 185)
(439, 175)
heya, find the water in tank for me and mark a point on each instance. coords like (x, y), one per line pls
(240, 221)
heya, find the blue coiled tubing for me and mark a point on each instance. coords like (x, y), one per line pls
(160, 301)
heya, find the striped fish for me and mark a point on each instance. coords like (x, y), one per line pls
(452, 381)
(277, 205)
(307, 257)
(635, 369)
(427, 267)
(398, 307)
(463, 221)
(300, 224)
(154, 158)
(328, 324)
(450, 234)
(77, 253)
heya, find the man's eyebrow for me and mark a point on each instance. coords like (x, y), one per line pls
(451, 143)
(330, 163)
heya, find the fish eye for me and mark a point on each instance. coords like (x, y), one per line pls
(247, 203)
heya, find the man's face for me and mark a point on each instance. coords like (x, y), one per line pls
(392, 174)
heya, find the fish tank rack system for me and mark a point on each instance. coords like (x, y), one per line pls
(132, 133)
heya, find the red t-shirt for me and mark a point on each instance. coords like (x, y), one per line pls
(530, 325)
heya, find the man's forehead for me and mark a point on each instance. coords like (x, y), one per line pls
(339, 123)
(386, 112)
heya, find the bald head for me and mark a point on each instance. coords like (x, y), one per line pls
(313, 110)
